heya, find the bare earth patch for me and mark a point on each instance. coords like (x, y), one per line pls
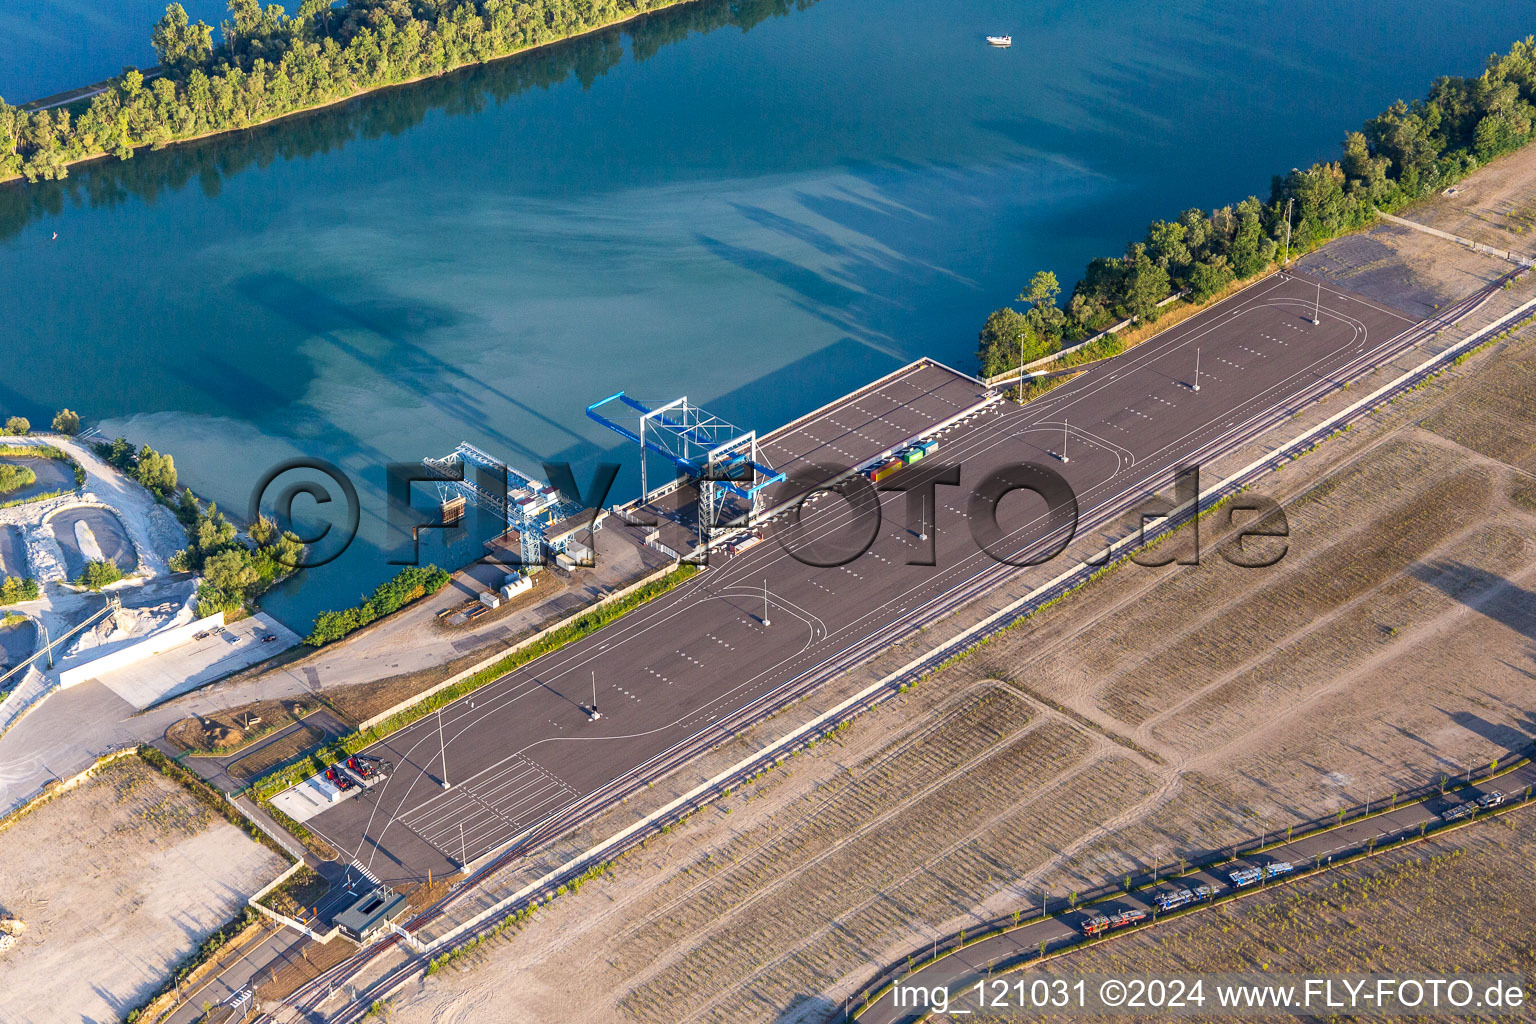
(117, 881)
(1403, 910)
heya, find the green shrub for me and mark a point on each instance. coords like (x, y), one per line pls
(98, 574)
(66, 422)
(410, 583)
(14, 589)
(14, 478)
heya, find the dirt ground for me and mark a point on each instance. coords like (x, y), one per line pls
(1397, 911)
(1496, 206)
(229, 730)
(1406, 269)
(117, 881)
(1155, 713)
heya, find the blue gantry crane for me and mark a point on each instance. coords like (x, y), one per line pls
(527, 505)
(721, 458)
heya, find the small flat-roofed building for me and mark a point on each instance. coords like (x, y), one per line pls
(371, 914)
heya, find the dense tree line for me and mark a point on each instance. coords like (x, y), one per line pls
(268, 63)
(233, 571)
(152, 470)
(386, 113)
(410, 583)
(1402, 154)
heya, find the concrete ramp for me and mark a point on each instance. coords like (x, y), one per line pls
(308, 798)
(176, 661)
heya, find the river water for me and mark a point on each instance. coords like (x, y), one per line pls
(53, 45)
(757, 205)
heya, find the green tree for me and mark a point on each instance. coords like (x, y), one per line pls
(1208, 277)
(214, 531)
(999, 343)
(98, 574)
(1365, 172)
(14, 589)
(1250, 250)
(66, 421)
(1168, 247)
(155, 471)
(1146, 284)
(230, 571)
(120, 453)
(1043, 289)
(11, 121)
(262, 531)
(180, 45)
(1408, 135)
(18, 425)
(288, 552)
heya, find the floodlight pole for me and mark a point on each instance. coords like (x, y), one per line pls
(443, 744)
(593, 715)
(1064, 441)
(1197, 370)
(1317, 308)
(765, 603)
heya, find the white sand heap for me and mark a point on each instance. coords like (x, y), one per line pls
(87, 542)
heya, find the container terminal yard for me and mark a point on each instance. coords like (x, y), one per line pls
(526, 758)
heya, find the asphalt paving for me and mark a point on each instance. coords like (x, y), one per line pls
(523, 757)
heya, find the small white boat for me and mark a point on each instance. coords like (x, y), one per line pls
(1000, 40)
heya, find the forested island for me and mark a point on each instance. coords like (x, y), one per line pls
(1403, 154)
(266, 64)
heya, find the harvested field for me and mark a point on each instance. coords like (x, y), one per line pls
(1499, 421)
(1396, 911)
(1156, 713)
(118, 880)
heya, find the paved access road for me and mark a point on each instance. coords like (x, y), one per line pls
(756, 631)
(960, 971)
